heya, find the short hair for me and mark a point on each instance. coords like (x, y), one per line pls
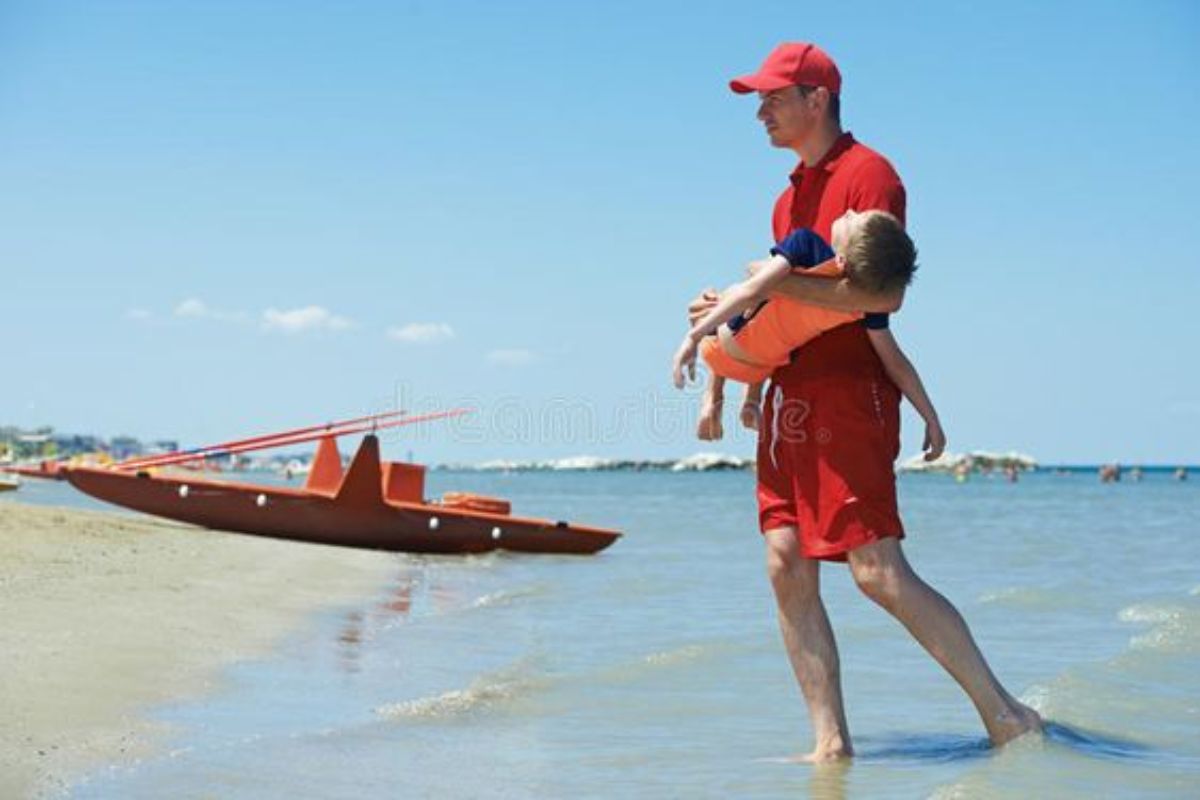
(880, 256)
(833, 110)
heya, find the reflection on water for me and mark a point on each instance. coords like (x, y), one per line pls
(828, 781)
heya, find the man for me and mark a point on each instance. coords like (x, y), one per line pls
(830, 436)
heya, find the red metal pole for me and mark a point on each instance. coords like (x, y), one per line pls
(197, 452)
(281, 440)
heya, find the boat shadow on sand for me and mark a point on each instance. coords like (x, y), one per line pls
(949, 747)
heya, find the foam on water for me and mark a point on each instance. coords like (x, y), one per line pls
(1030, 597)
(1176, 627)
(679, 655)
(486, 692)
(506, 597)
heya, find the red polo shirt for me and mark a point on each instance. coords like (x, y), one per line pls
(831, 420)
(849, 176)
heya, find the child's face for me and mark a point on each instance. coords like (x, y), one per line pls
(843, 228)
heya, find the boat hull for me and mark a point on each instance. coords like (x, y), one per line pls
(301, 515)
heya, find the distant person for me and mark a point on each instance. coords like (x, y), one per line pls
(873, 252)
(1181, 474)
(1135, 474)
(830, 431)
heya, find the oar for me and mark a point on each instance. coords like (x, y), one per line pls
(297, 438)
(196, 452)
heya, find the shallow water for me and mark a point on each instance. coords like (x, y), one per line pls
(656, 670)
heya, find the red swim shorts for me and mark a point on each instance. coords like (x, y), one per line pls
(826, 449)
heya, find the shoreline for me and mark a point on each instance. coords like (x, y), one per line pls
(104, 616)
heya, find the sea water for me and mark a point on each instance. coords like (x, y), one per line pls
(655, 669)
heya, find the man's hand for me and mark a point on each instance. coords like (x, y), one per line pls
(685, 360)
(935, 440)
(701, 306)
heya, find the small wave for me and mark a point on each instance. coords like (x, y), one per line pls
(1176, 628)
(640, 667)
(485, 692)
(506, 597)
(1147, 614)
(1027, 597)
(679, 655)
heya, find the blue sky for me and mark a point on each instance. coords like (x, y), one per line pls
(226, 217)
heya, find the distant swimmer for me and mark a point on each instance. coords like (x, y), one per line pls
(1110, 473)
(962, 471)
(1011, 473)
(1135, 474)
(1181, 474)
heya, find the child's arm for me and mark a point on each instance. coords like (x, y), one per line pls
(732, 302)
(905, 376)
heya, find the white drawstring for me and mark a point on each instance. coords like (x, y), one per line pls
(776, 401)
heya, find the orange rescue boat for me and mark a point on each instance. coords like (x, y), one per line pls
(370, 504)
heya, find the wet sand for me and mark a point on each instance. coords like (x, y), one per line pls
(105, 615)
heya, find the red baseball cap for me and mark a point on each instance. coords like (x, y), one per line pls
(792, 64)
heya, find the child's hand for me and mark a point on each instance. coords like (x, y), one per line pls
(751, 414)
(935, 440)
(685, 359)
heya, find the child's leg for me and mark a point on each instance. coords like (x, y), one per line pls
(751, 413)
(708, 427)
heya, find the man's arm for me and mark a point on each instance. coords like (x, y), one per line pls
(837, 295)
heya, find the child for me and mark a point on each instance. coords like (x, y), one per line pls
(873, 252)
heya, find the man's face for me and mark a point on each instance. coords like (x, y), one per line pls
(788, 115)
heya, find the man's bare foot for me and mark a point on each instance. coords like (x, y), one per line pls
(709, 428)
(826, 752)
(821, 757)
(1012, 724)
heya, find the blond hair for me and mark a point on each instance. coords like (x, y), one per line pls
(880, 256)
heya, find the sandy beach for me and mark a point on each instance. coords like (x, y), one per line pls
(105, 615)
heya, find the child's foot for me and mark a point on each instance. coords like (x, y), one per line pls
(751, 415)
(709, 428)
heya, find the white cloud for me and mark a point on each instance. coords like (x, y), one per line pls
(298, 320)
(192, 308)
(511, 358)
(421, 332)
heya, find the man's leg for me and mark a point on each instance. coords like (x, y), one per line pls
(809, 641)
(883, 573)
